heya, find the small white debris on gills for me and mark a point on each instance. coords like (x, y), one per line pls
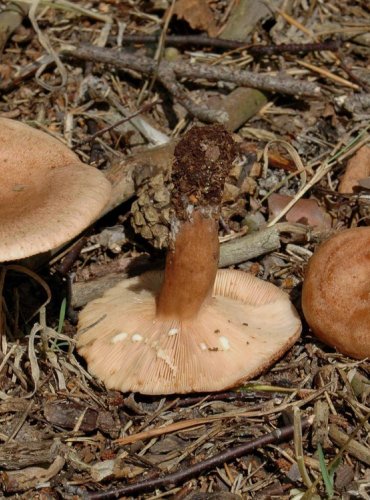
(119, 337)
(161, 354)
(203, 346)
(136, 337)
(225, 344)
(173, 331)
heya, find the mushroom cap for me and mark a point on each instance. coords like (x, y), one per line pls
(47, 195)
(244, 327)
(336, 292)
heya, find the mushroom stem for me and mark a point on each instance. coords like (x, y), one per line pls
(191, 266)
(193, 329)
(202, 160)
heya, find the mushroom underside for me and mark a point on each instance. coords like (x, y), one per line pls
(235, 336)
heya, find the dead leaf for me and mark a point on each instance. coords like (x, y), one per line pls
(357, 168)
(26, 479)
(115, 469)
(197, 14)
(304, 211)
(5, 71)
(66, 414)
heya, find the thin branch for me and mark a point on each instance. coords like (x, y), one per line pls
(168, 79)
(146, 107)
(160, 47)
(298, 447)
(278, 435)
(219, 43)
(361, 83)
(279, 83)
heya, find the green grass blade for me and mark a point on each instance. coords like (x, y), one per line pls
(62, 315)
(327, 477)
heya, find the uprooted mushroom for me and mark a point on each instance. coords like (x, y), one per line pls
(48, 196)
(191, 328)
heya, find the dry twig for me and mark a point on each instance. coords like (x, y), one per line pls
(219, 43)
(279, 434)
(169, 72)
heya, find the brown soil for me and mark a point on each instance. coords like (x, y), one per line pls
(203, 159)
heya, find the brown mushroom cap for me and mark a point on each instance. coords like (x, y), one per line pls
(245, 327)
(47, 195)
(336, 292)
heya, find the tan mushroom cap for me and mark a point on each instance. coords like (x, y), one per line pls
(47, 195)
(336, 292)
(244, 328)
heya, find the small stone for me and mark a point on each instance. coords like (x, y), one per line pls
(235, 172)
(254, 221)
(151, 214)
(171, 54)
(143, 199)
(161, 235)
(139, 219)
(157, 181)
(162, 196)
(249, 185)
(146, 233)
(231, 192)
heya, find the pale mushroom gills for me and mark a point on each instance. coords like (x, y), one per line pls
(48, 196)
(192, 328)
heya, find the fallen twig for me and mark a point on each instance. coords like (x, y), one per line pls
(361, 83)
(329, 74)
(146, 107)
(353, 447)
(249, 247)
(195, 422)
(66, 265)
(25, 72)
(344, 447)
(173, 70)
(280, 434)
(100, 90)
(219, 43)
